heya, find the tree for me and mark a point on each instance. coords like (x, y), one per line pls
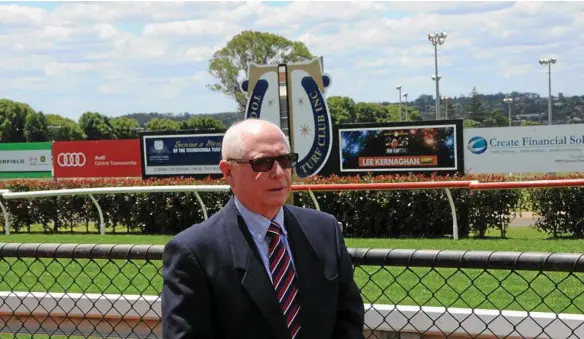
(370, 112)
(201, 123)
(476, 108)
(96, 126)
(63, 129)
(342, 109)
(160, 124)
(243, 49)
(496, 119)
(529, 123)
(125, 128)
(36, 127)
(450, 112)
(12, 118)
(468, 123)
(409, 112)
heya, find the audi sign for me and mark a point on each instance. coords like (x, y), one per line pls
(97, 158)
(71, 159)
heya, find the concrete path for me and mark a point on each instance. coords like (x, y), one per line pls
(526, 219)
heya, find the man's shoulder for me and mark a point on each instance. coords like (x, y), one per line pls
(201, 233)
(311, 214)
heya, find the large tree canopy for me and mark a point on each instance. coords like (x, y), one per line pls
(251, 47)
(12, 120)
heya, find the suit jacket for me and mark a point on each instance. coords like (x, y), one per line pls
(215, 285)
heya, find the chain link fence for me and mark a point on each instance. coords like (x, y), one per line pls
(86, 291)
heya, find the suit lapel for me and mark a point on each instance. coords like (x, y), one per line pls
(254, 278)
(309, 268)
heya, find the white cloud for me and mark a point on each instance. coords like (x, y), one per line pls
(307, 12)
(124, 56)
(200, 27)
(60, 68)
(21, 15)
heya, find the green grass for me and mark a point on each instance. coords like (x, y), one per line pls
(522, 239)
(494, 289)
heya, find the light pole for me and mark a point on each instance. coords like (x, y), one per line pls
(437, 39)
(445, 107)
(399, 87)
(405, 95)
(509, 101)
(549, 62)
(438, 100)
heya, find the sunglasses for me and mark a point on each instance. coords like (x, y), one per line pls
(265, 164)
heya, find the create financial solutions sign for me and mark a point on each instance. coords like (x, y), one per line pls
(525, 149)
(185, 154)
(97, 158)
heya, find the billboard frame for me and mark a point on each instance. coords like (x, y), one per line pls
(81, 147)
(28, 146)
(512, 154)
(334, 164)
(193, 132)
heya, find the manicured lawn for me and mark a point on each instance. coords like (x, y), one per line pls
(532, 291)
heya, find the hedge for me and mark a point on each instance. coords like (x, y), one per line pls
(366, 214)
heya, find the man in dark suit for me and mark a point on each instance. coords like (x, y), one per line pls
(260, 268)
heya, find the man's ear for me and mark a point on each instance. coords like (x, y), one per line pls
(225, 168)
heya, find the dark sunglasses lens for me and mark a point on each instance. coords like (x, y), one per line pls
(262, 164)
(287, 161)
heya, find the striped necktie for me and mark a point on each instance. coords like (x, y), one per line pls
(284, 280)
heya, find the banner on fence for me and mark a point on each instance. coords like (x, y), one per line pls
(525, 149)
(25, 160)
(403, 147)
(180, 154)
(97, 158)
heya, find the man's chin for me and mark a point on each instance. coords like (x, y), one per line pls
(280, 195)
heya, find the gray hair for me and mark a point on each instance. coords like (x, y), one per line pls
(235, 139)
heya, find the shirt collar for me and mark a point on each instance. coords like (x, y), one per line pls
(258, 224)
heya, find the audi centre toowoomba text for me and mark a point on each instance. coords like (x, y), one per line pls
(79, 159)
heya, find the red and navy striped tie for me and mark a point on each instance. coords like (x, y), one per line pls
(284, 280)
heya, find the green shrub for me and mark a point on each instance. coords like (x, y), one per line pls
(371, 214)
(560, 210)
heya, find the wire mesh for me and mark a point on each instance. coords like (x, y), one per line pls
(86, 291)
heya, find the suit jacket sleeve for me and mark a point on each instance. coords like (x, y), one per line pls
(350, 309)
(186, 300)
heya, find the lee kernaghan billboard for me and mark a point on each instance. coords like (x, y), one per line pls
(526, 149)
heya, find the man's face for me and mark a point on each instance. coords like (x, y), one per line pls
(262, 192)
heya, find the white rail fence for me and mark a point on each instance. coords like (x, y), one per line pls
(91, 192)
(444, 185)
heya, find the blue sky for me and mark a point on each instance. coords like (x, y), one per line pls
(123, 57)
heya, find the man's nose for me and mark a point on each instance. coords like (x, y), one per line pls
(277, 170)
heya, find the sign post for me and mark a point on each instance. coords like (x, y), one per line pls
(302, 113)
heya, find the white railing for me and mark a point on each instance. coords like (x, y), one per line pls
(5, 213)
(445, 185)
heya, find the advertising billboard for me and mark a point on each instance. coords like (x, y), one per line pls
(25, 160)
(167, 154)
(525, 149)
(97, 158)
(398, 147)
